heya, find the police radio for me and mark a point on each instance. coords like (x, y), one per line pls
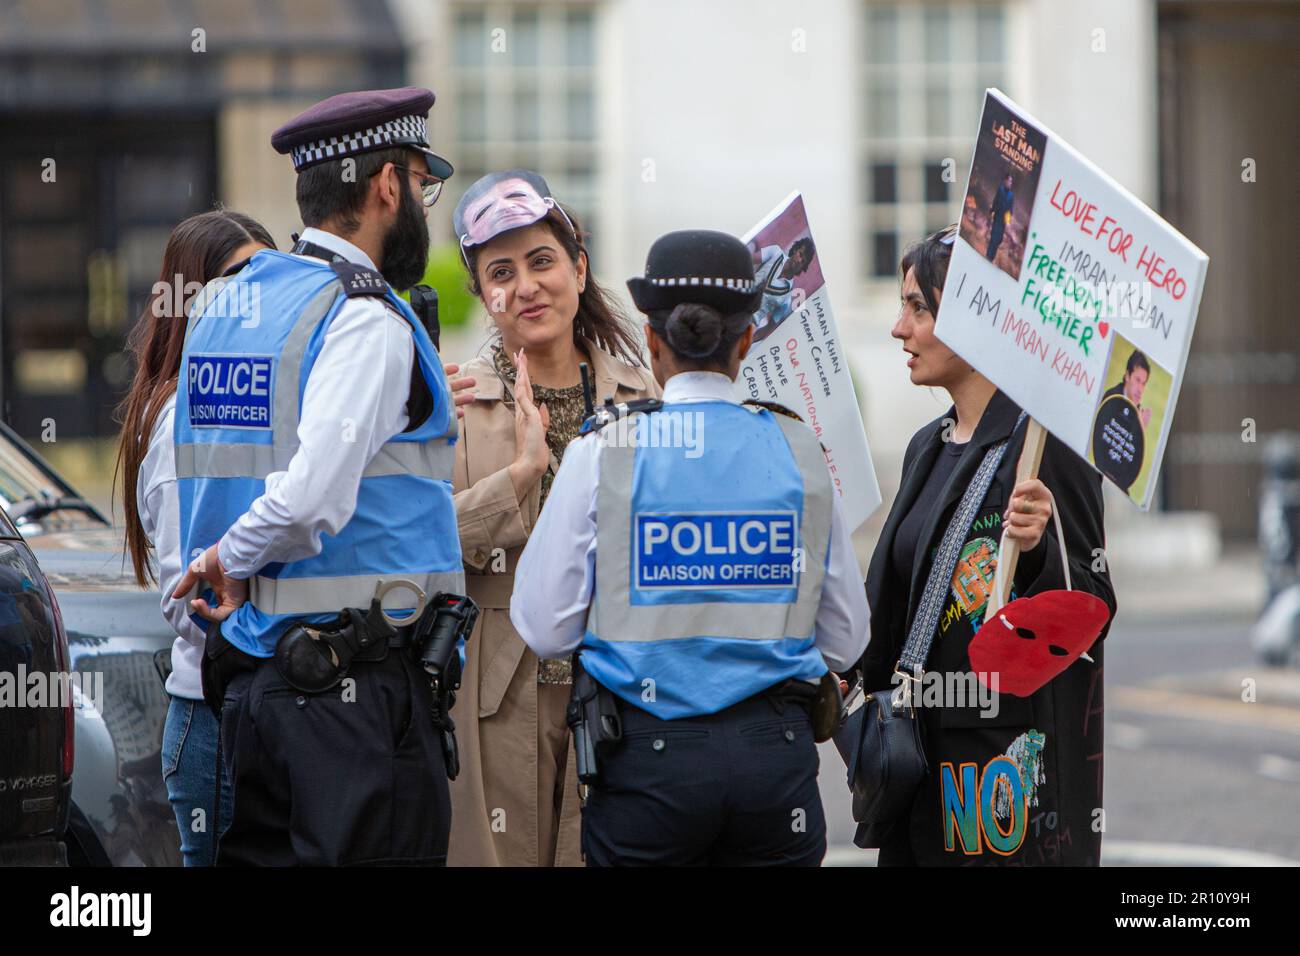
(446, 622)
(424, 303)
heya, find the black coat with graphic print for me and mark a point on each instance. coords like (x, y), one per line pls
(968, 811)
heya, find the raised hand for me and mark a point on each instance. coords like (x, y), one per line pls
(532, 454)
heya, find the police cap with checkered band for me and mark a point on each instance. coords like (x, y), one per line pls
(701, 266)
(350, 124)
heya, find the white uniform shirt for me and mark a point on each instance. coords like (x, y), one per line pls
(557, 570)
(160, 516)
(354, 402)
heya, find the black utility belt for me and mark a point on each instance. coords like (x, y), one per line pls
(595, 714)
(789, 691)
(316, 657)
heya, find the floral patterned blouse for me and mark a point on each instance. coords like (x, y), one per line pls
(566, 410)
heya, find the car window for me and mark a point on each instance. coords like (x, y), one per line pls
(31, 492)
(7, 529)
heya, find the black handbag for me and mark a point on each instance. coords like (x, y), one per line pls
(884, 748)
(882, 741)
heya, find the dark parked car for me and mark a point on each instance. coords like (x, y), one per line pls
(109, 807)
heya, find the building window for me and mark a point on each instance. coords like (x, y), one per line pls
(884, 183)
(884, 254)
(524, 94)
(925, 68)
(936, 183)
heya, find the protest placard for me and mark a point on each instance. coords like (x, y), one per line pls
(798, 358)
(1072, 296)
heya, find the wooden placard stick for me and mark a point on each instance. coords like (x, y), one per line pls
(1031, 456)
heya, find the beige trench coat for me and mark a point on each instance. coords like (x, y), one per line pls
(501, 718)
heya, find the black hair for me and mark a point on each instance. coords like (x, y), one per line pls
(324, 194)
(803, 244)
(599, 318)
(700, 334)
(929, 258)
(1137, 360)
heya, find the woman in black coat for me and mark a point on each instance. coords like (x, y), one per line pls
(1054, 736)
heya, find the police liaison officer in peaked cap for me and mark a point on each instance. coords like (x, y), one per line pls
(313, 437)
(693, 555)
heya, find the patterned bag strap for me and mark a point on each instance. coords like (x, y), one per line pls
(917, 649)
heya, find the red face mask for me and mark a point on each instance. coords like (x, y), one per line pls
(1033, 639)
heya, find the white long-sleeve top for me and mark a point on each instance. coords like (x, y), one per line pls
(557, 570)
(160, 517)
(354, 402)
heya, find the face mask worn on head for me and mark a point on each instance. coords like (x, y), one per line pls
(499, 202)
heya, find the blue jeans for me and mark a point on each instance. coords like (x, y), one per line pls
(189, 765)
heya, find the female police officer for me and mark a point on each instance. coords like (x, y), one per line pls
(692, 553)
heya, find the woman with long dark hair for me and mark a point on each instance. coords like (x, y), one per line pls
(199, 250)
(969, 809)
(515, 801)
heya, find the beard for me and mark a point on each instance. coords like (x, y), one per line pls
(406, 245)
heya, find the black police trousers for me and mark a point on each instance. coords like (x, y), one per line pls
(352, 775)
(735, 788)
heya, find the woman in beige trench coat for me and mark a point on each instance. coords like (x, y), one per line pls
(515, 801)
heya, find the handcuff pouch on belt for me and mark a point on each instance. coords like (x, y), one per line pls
(827, 711)
(316, 657)
(595, 721)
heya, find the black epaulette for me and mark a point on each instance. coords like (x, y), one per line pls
(774, 407)
(610, 412)
(359, 280)
(362, 281)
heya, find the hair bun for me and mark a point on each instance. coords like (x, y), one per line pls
(694, 330)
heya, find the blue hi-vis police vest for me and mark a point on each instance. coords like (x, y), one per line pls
(709, 568)
(250, 346)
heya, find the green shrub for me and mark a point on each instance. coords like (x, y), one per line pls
(446, 273)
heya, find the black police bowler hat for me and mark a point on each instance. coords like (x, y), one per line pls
(697, 266)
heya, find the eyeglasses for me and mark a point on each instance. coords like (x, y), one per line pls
(430, 186)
